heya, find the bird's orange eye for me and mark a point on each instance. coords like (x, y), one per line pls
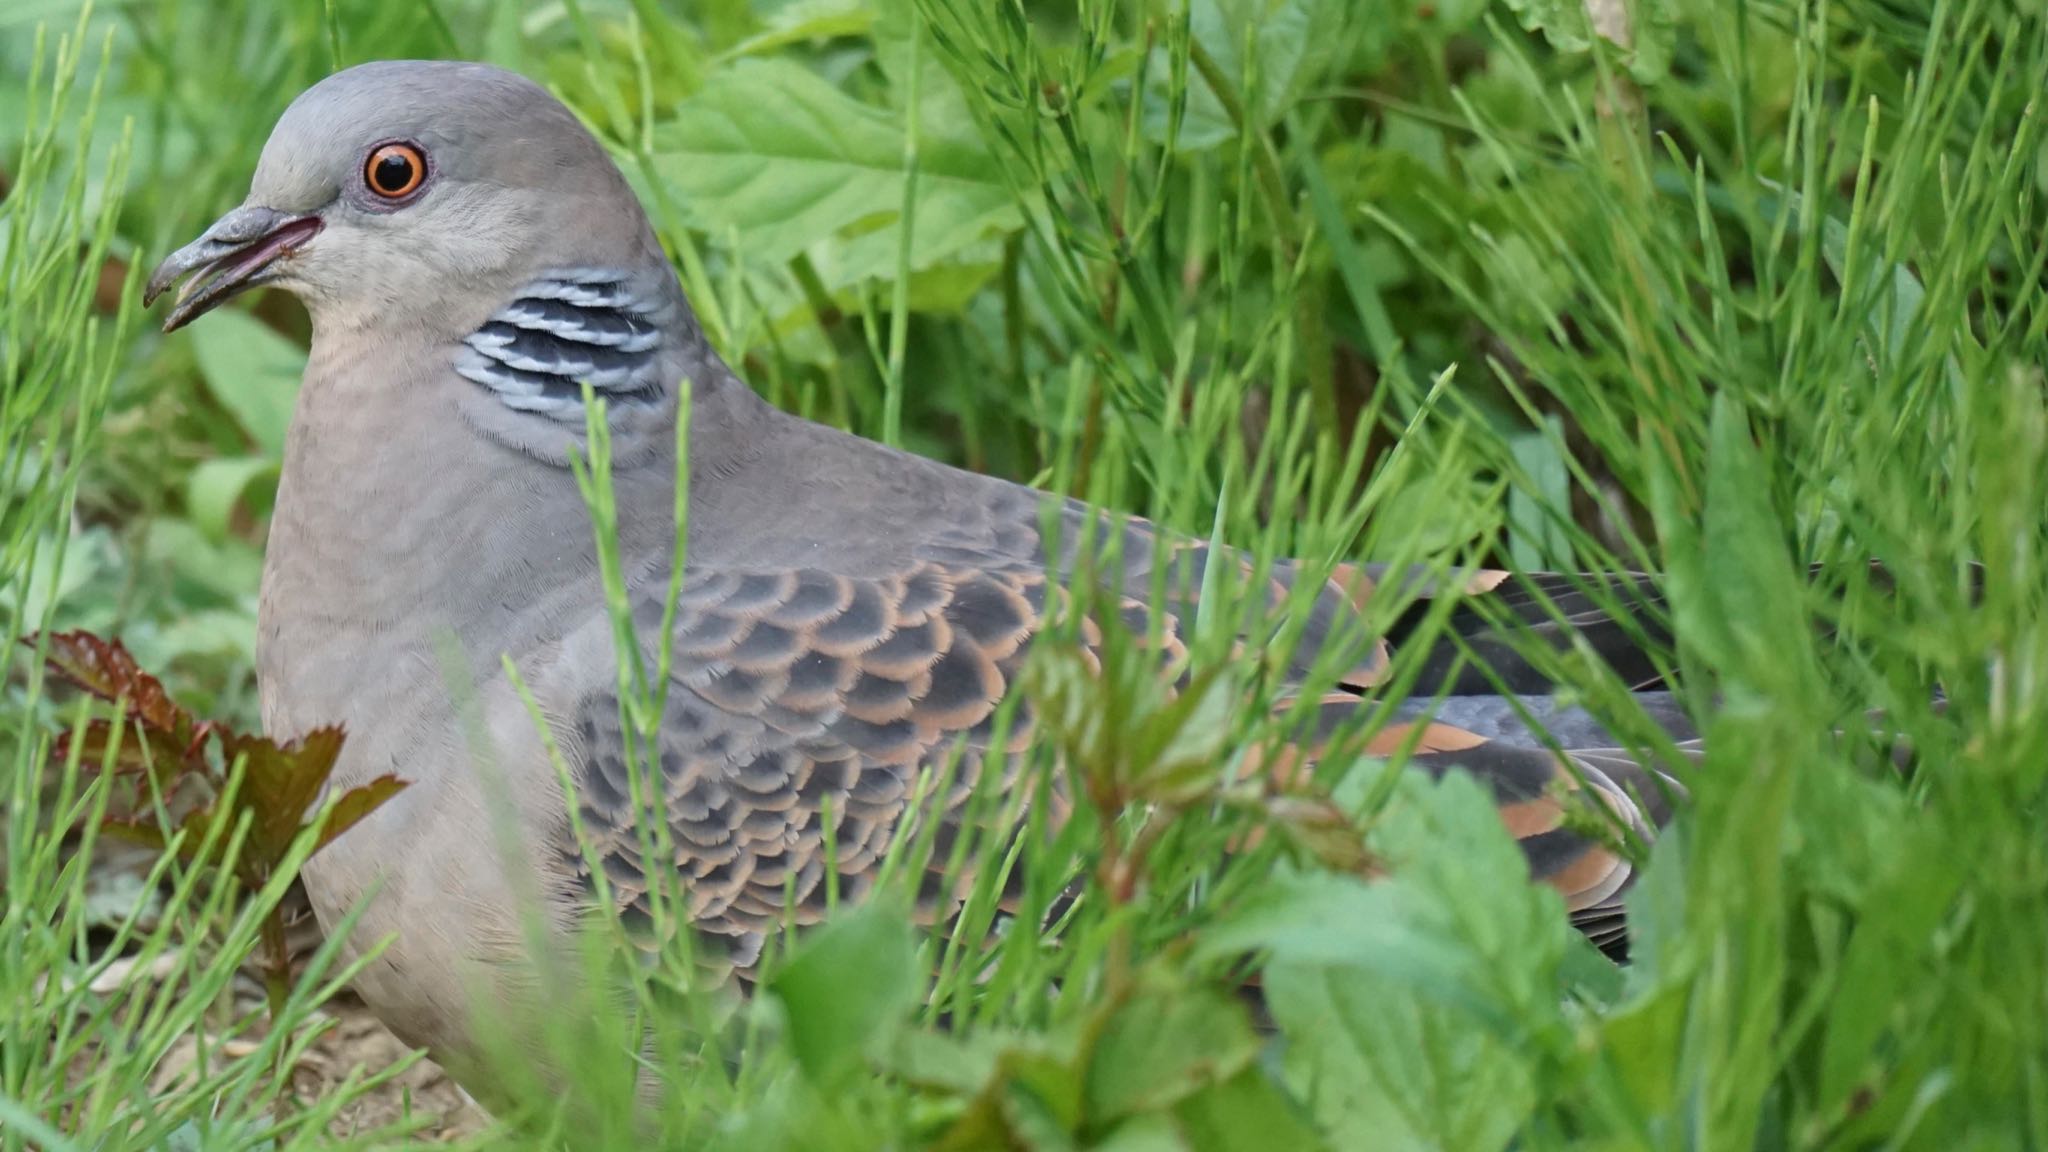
(393, 171)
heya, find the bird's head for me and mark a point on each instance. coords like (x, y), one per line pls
(391, 188)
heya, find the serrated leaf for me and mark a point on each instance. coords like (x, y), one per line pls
(1324, 919)
(253, 371)
(1410, 1004)
(349, 809)
(1163, 1045)
(1386, 1069)
(1562, 22)
(279, 782)
(105, 669)
(1647, 30)
(1643, 29)
(778, 155)
(1457, 922)
(141, 749)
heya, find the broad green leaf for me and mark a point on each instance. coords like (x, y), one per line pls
(252, 371)
(1415, 1007)
(1588, 973)
(1289, 49)
(941, 108)
(1147, 1133)
(805, 20)
(949, 286)
(1163, 1045)
(1642, 1039)
(1036, 1091)
(87, 556)
(1888, 958)
(1655, 28)
(1462, 880)
(774, 153)
(949, 1063)
(1246, 1113)
(1539, 511)
(228, 569)
(1337, 920)
(1887, 344)
(846, 990)
(1750, 575)
(216, 487)
(1386, 1069)
(1456, 15)
(229, 632)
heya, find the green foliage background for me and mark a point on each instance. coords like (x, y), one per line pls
(1722, 290)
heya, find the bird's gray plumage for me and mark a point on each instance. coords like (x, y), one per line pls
(849, 613)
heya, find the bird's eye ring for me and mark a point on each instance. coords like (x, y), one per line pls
(394, 171)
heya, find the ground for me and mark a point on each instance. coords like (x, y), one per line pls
(354, 1046)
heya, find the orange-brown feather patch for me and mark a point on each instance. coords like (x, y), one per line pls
(1526, 818)
(1484, 580)
(1434, 738)
(1586, 880)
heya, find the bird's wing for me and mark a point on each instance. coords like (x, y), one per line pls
(795, 691)
(802, 690)
(1483, 645)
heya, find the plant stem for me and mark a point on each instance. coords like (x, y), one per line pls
(1265, 162)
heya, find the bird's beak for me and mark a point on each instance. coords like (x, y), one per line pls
(239, 252)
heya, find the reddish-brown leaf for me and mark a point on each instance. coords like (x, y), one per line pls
(357, 803)
(142, 750)
(105, 669)
(141, 830)
(144, 830)
(279, 782)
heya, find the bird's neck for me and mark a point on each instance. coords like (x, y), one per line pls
(397, 528)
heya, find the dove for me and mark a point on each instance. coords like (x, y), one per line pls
(849, 615)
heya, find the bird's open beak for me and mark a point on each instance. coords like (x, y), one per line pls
(239, 252)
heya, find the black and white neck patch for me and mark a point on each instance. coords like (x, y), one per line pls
(568, 328)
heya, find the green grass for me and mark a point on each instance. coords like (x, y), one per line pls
(1457, 281)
